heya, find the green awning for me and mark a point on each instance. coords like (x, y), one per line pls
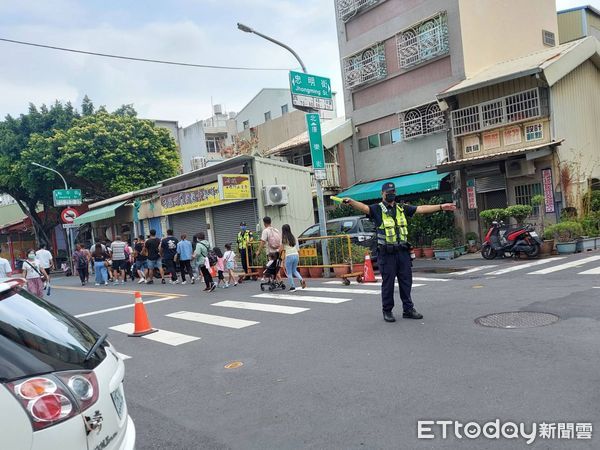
(407, 184)
(94, 215)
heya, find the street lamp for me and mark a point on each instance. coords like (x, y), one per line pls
(52, 170)
(319, 188)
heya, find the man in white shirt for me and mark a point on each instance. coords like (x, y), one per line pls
(5, 268)
(44, 258)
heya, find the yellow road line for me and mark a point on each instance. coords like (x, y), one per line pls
(119, 291)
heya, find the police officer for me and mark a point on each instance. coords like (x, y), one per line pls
(393, 249)
(243, 238)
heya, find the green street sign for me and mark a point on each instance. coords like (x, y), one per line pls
(313, 125)
(66, 197)
(310, 91)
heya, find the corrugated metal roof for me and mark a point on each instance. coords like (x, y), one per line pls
(554, 63)
(334, 131)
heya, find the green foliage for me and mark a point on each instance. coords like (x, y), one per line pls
(591, 201)
(471, 236)
(358, 253)
(338, 250)
(568, 214)
(519, 212)
(489, 215)
(341, 211)
(591, 224)
(537, 200)
(443, 244)
(422, 228)
(564, 231)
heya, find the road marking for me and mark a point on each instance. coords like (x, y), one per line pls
(564, 266)
(261, 307)
(117, 308)
(220, 321)
(429, 279)
(595, 271)
(123, 356)
(474, 269)
(108, 290)
(162, 336)
(303, 298)
(341, 290)
(524, 266)
(376, 284)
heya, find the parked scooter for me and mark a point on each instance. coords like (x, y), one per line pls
(501, 240)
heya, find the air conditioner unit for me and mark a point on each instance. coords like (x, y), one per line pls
(198, 162)
(519, 168)
(276, 195)
(441, 155)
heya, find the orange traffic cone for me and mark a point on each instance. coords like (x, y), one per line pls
(368, 274)
(142, 324)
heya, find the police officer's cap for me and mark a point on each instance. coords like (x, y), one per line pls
(242, 224)
(389, 186)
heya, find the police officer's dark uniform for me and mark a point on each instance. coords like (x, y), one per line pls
(243, 238)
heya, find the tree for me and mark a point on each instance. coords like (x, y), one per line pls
(87, 107)
(126, 110)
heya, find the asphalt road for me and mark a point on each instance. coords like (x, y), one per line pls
(336, 376)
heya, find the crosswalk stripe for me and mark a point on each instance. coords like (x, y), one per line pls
(303, 298)
(123, 356)
(564, 266)
(261, 307)
(220, 321)
(524, 266)
(429, 279)
(376, 284)
(342, 290)
(595, 271)
(163, 336)
(473, 269)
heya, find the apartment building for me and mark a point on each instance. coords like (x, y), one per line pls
(396, 55)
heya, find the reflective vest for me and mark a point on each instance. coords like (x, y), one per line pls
(392, 231)
(243, 238)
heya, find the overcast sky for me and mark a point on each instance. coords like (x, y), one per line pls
(195, 31)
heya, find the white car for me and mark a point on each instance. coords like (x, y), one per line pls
(61, 383)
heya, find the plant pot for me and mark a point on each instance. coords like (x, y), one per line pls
(444, 254)
(341, 270)
(304, 272)
(598, 243)
(585, 244)
(418, 252)
(564, 248)
(315, 272)
(547, 247)
(472, 243)
(462, 249)
(427, 252)
(358, 267)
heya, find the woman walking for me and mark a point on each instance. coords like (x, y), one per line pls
(201, 255)
(34, 273)
(100, 258)
(81, 263)
(288, 245)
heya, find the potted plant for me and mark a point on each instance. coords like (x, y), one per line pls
(565, 235)
(339, 255)
(590, 231)
(418, 251)
(443, 248)
(490, 215)
(471, 238)
(519, 212)
(548, 242)
(358, 257)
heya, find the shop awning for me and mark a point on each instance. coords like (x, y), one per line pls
(406, 184)
(95, 215)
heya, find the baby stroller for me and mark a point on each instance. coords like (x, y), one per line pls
(271, 272)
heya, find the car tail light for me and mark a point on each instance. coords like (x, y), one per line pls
(50, 399)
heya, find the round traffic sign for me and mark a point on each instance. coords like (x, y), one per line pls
(68, 215)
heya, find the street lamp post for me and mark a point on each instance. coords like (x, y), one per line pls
(319, 188)
(69, 237)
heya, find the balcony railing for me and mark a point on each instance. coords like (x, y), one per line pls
(423, 41)
(333, 177)
(421, 121)
(519, 107)
(349, 8)
(365, 67)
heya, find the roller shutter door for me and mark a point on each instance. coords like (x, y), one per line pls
(227, 218)
(190, 223)
(490, 183)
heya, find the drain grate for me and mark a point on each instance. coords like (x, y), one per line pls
(517, 319)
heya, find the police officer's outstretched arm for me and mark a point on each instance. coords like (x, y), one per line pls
(356, 205)
(430, 209)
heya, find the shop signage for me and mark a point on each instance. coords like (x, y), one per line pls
(196, 198)
(491, 140)
(471, 195)
(308, 252)
(234, 187)
(548, 190)
(512, 136)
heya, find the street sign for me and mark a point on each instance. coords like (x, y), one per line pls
(66, 197)
(68, 215)
(313, 125)
(70, 225)
(310, 91)
(320, 174)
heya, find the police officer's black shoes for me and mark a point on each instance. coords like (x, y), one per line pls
(388, 316)
(412, 314)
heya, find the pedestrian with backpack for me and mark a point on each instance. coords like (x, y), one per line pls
(81, 263)
(271, 238)
(202, 255)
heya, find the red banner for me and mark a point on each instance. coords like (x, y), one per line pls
(548, 190)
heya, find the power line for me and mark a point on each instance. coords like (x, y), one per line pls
(131, 58)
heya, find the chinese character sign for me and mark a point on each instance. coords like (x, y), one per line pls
(548, 190)
(471, 198)
(313, 125)
(234, 187)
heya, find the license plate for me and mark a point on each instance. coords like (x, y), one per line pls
(118, 400)
(534, 234)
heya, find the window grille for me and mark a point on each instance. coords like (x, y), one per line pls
(525, 192)
(548, 38)
(349, 8)
(420, 121)
(423, 41)
(514, 108)
(365, 67)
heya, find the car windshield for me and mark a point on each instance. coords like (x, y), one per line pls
(37, 337)
(348, 226)
(368, 226)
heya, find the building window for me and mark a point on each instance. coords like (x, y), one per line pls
(267, 116)
(471, 144)
(423, 41)
(363, 144)
(548, 38)
(374, 141)
(518, 107)
(385, 138)
(284, 109)
(365, 67)
(534, 132)
(246, 124)
(525, 192)
(421, 121)
(212, 145)
(349, 8)
(303, 160)
(396, 135)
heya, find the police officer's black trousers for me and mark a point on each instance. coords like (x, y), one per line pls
(243, 258)
(394, 266)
